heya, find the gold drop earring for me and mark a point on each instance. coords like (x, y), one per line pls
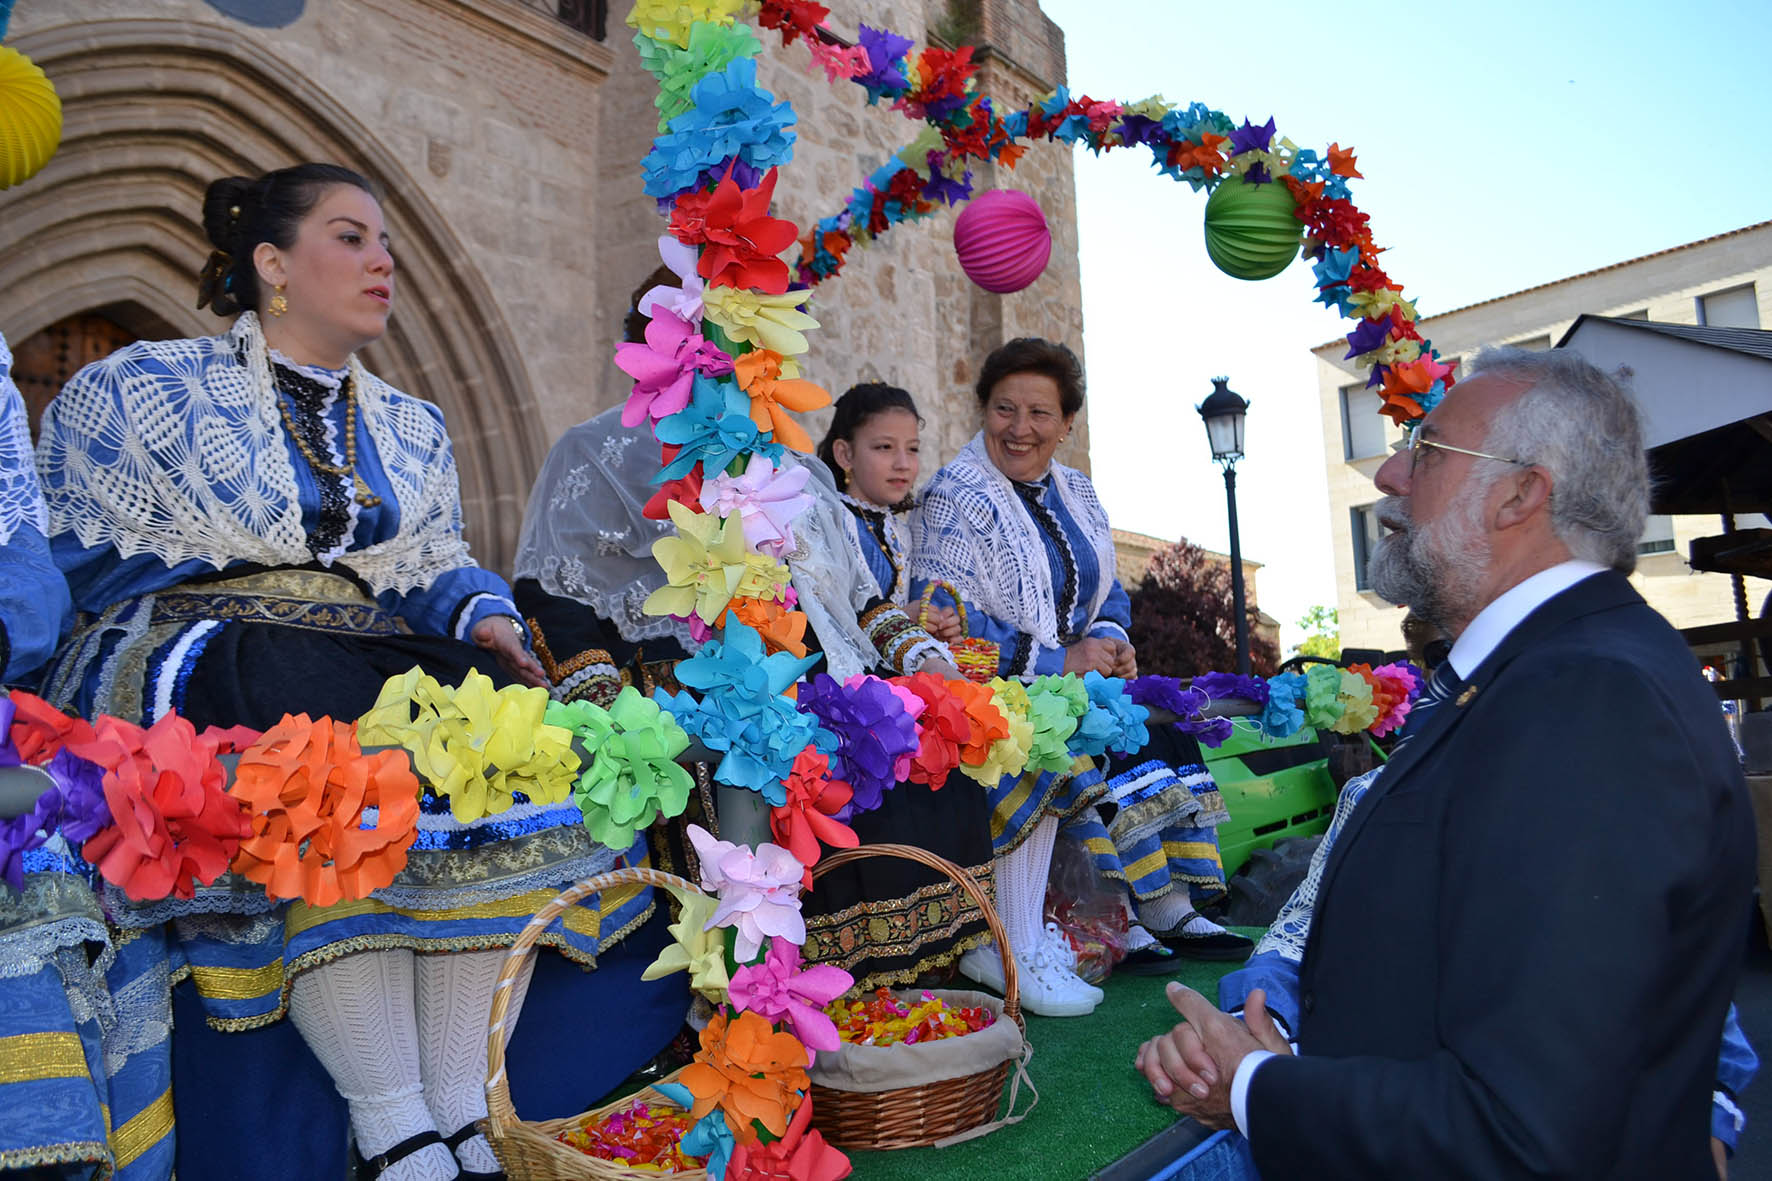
(278, 304)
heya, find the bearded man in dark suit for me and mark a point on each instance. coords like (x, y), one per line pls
(1528, 932)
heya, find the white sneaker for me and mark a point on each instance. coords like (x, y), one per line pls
(1050, 991)
(1064, 957)
(985, 966)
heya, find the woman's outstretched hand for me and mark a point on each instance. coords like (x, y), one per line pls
(503, 637)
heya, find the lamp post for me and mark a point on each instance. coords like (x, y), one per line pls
(1223, 411)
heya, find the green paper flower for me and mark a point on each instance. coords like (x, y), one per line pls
(711, 48)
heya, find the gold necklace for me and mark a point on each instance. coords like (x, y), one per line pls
(364, 496)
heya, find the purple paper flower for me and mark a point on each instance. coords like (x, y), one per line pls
(81, 784)
(1138, 129)
(885, 73)
(1156, 692)
(1250, 138)
(873, 732)
(1209, 731)
(1370, 334)
(23, 833)
(1218, 686)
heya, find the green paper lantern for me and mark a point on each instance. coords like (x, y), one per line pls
(1251, 231)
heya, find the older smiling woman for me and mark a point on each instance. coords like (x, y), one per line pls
(1025, 542)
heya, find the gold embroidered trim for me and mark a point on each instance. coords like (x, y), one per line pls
(900, 928)
(143, 1130)
(34, 1057)
(237, 984)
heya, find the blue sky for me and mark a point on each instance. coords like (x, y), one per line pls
(1503, 145)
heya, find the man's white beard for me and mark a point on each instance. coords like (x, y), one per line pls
(1436, 570)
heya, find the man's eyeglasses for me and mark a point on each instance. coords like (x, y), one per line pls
(1414, 441)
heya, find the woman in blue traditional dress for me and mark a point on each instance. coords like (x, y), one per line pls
(1026, 543)
(252, 524)
(34, 601)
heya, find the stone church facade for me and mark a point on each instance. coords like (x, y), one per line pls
(507, 137)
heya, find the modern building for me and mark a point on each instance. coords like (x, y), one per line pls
(1723, 281)
(507, 137)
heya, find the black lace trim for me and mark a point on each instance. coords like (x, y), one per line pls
(875, 520)
(307, 410)
(1067, 596)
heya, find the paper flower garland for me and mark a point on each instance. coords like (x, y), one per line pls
(664, 367)
(306, 786)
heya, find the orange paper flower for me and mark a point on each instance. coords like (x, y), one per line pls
(985, 722)
(307, 784)
(772, 396)
(748, 1071)
(174, 822)
(782, 630)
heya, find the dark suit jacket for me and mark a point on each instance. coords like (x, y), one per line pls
(1526, 937)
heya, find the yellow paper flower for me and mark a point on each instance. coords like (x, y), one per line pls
(474, 744)
(1007, 756)
(772, 322)
(1376, 305)
(1357, 708)
(704, 565)
(700, 952)
(669, 20)
(1399, 350)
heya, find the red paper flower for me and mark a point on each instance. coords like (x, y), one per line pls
(39, 729)
(686, 490)
(808, 817)
(739, 240)
(945, 727)
(306, 785)
(794, 19)
(801, 1155)
(172, 819)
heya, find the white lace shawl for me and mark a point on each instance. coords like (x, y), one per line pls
(176, 449)
(585, 533)
(21, 501)
(833, 583)
(900, 534)
(971, 529)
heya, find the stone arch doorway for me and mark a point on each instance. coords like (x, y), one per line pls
(155, 109)
(43, 361)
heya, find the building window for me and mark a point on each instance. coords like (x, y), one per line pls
(1367, 531)
(1362, 427)
(587, 16)
(1734, 308)
(1658, 536)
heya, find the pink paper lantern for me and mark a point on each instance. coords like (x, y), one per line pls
(1002, 240)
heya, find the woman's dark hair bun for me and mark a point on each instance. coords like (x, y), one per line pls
(222, 208)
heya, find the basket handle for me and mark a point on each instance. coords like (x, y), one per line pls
(968, 883)
(929, 593)
(498, 1032)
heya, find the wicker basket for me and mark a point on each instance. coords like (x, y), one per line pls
(913, 1117)
(527, 1150)
(975, 658)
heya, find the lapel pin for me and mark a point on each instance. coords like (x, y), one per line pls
(1464, 698)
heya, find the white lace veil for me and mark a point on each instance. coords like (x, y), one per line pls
(21, 501)
(585, 536)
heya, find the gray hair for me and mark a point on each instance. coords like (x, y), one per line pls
(1583, 427)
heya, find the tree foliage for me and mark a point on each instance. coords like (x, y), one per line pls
(1183, 618)
(1322, 628)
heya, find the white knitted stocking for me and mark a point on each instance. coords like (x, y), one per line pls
(454, 999)
(1021, 886)
(356, 1013)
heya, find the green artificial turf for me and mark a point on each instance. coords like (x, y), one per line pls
(1094, 1108)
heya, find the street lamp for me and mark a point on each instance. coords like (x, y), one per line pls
(1223, 411)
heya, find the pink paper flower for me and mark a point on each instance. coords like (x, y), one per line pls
(913, 706)
(664, 367)
(839, 62)
(779, 990)
(683, 302)
(766, 499)
(759, 892)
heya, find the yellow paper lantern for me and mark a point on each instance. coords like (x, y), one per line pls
(30, 118)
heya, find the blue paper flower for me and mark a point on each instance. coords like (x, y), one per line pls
(732, 118)
(1283, 715)
(713, 430)
(1113, 721)
(740, 662)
